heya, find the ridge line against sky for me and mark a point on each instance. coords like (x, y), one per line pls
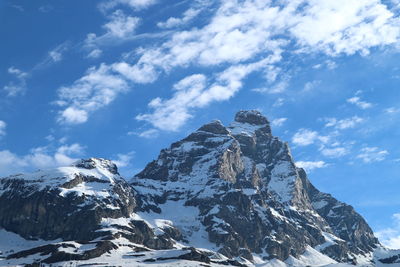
(132, 72)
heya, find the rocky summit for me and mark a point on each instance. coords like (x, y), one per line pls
(223, 196)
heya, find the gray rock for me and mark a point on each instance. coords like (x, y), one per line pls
(250, 197)
(264, 202)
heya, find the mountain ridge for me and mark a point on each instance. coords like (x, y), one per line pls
(229, 195)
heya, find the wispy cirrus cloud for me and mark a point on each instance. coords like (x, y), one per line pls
(356, 100)
(392, 110)
(228, 38)
(305, 137)
(372, 154)
(311, 165)
(242, 33)
(119, 27)
(309, 86)
(53, 56)
(334, 152)
(277, 88)
(343, 123)
(57, 53)
(194, 92)
(17, 87)
(278, 122)
(330, 64)
(99, 87)
(151, 133)
(134, 4)
(187, 16)
(45, 8)
(95, 53)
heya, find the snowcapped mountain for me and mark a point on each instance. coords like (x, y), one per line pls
(222, 196)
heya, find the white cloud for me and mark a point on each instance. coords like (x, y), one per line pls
(395, 4)
(70, 149)
(344, 123)
(10, 163)
(124, 160)
(95, 53)
(45, 8)
(18, 73)
(138, 73)
(305, 137)
(98, 88)
(151, 133)
(134, 4)
(277, 88)
(41, 157)
(57, 53)
(172, 22)
(73, 115)
(392, 110)
(3, 126)
(53, 56)
(237, 33)
(278, 122)
(334, 152)
(309, 86)
(63, 140)
(344, 26)
(119, 27)
(372, 154)
(330, 64)
(359, 103)
(246, 32)
(240, 31)
(192, 92)
(311, 165)
(172, 113)
(279, 102)
(50, 138)
(19, 86)
(390, 237)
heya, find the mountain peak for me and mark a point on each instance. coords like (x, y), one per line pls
(252, 117)
(247, 122)
(215, 127)
(222, 193)
(93, 163)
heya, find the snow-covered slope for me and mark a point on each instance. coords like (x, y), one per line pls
(251, 197)
(224, 195)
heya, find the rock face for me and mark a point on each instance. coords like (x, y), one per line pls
(251, 196)
(72, 200)
(75, 203)
(228, 195)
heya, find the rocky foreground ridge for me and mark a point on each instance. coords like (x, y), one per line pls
(222, 196)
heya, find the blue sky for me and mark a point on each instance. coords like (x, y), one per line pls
(122, 79)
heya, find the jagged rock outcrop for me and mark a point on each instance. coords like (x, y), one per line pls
(82, 203)
(251, 196)
(72, 200)
(224, 195)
